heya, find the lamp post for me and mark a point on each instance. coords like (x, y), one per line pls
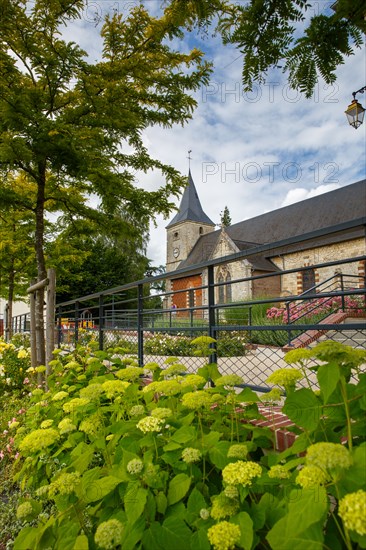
(355, 112)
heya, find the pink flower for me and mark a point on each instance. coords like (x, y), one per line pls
(1, 455)
(26, 381)
(16, 456)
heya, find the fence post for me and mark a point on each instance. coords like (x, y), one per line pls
(50, 318)
(342, 289)
(211, 309)
(140, 325)
(32, 320)
(76, 323)
(250, 323)
(59, 327)
(101, 322)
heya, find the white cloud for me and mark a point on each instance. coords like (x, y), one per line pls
(253, 152)
(301, 194)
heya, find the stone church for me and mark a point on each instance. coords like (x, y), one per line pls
(192, 239)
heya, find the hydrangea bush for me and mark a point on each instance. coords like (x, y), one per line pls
(131, 458)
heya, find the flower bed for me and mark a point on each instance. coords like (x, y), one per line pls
(180, 463)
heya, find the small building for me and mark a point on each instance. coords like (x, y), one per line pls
(192, 239)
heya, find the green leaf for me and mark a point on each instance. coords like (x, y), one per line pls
(246, 529)
(199, 540)
(306, 507)
(211, 439)
(184, 434)
(172, 534)
(218, 454)
(303, 408)
(26, 539)
(81, 543)
(328, 377)
(132, 534)
(178, 488)
(96, 490)
(175, 534)
(161, 502)
(134, 500)
(248, 396)
(195, 504)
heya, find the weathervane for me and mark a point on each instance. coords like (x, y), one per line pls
(189, 158)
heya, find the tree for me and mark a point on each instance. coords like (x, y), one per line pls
(225, 217)
(107, 263)
(74, 128)
(17, 264)
(292, 35)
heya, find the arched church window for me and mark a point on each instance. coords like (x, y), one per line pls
(224, 288)
(308, 279)
(176, 235)
(228, 288)
(200, 230)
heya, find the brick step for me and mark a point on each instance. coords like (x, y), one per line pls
(278, 422)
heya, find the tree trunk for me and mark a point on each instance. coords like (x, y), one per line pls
(41, 267)
(9, 317)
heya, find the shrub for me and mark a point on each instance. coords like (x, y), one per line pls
(177, 464)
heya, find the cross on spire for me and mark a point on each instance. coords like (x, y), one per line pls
(189, 158)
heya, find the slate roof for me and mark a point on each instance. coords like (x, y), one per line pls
(335, 207)
(190, 208)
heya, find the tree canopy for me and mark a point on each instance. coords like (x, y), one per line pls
(303, 39)
(74, 128)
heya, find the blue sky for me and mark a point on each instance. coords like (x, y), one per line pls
(253, 152)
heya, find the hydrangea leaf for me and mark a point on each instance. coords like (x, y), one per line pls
(178, 488)
(328, 377)
(303, 408)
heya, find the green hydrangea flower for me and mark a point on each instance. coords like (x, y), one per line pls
(135, 466)
(229, 380)
(311, 476)
(193, 380)
(237, 451)
(328, 456)
(279, 472)
(65, 484)
(223, 506)
(137, 410)
(38, 440)
(92, 392)
(241, 473)
(113, 388)
(65, 426)
(24, 510)
(75, 403)
(150, 424)
(60, 395)
(196, 400)
(130, 373)
(92, 425)
(352, 510)
(190, 455)
(108, 534)
(47, 423)
(162, 412)
(285, 377)
(224, 535)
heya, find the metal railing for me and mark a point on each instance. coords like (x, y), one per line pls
(141, 322)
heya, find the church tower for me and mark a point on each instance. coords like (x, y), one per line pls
(184, 230)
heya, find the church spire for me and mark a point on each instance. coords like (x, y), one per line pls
(190, 208)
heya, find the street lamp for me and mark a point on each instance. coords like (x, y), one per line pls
(355, 112)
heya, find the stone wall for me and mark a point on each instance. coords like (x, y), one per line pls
(292, 283)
